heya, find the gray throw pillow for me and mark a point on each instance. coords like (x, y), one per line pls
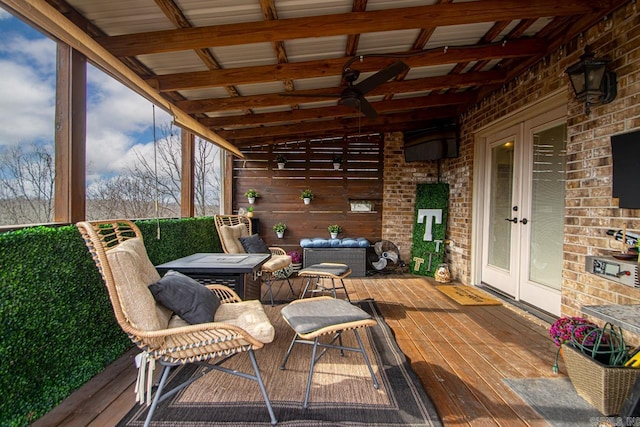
(189, 299)
(254, 245)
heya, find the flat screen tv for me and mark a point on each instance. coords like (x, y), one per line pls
(437, 142)
(625, 151)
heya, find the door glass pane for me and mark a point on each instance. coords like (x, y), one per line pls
(501, 205)
(547, 213)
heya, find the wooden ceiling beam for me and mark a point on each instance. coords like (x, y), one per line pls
(385, 123)
(317, 95)
(382, 107)
(442, 14)
(327, 67)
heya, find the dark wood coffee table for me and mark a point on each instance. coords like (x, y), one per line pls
(241, 272)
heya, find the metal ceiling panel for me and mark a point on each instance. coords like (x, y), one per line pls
(202, 13)
(458, 35)
(298, 8)
(175, 62)
(315, 48)
(433, 71)
(260, 88)
(387, 41)
(246, 55)
(210, 92)
(115, 17)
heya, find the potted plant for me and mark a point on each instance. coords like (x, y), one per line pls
(595, 360)
(281, 160)
(337, 161)
(250, 212)
(334, 230)
(307, 196)
(296, 260)
(279, 229)
(251, 195)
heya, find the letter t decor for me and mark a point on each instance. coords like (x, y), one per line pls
(429, 228)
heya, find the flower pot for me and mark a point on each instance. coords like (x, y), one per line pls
(306, 200)
(280, 234)
(605, 387)
(280, 165)
(251, 200)
(296, 267)
(249, 214)
(336, 166)
(334, 235)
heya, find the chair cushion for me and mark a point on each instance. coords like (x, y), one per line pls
(276, 262)
(133, 272)
(254, 245)
(305, 316)
(250, 316)
(189, 299)
(231, 234)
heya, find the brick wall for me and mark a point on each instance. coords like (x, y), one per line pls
(590, 208)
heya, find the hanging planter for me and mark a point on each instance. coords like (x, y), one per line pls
(334, 230)
(251, 195)
(307, 196)
(337, 162)
(279, 229)
(281, 160)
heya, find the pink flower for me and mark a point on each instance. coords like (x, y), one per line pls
(566, 329)
(296, 258)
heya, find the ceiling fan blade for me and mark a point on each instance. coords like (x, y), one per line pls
(367, 109)
(381, 76)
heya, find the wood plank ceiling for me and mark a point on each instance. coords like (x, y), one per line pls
(256, 71)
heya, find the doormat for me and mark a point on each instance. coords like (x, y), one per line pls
(558, 402)
(467, 295)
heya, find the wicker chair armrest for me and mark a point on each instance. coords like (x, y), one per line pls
(199, 334)
(277, 251)
(225, 293)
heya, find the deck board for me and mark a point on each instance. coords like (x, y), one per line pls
(461, 354)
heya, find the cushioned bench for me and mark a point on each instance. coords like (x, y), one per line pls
(350, 251)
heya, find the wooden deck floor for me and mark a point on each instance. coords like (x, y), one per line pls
(460, 353)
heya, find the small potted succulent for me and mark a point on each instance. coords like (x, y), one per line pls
(307, 196)
(337, 161)
(250, 212)
(281, 160)
(279, 229)
(334, 230)
(251, 195)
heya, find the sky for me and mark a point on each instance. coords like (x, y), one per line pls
(119, 121)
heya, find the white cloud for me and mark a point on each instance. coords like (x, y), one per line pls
(4, 14)
(26, 105)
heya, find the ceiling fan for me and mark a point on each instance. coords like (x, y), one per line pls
(353, 95)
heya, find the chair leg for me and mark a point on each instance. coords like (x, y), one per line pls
(366, 359)
(165, 374)
(313, 362)
(252, 356)
(269, 288)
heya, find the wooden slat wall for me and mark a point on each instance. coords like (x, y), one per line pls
(310, 166)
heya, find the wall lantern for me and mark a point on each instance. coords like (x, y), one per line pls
(591, 81)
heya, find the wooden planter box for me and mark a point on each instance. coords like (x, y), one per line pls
(604, 387)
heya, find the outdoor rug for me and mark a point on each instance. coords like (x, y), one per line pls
(342, 391)
(557, 401)
(467, 295)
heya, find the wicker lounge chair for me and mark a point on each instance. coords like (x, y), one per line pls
(231, 228)
(239, 326)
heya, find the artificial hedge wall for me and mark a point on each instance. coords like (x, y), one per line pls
(58, 328)
(429, 196)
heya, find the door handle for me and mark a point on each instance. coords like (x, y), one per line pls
(524, 221)
(513, 220)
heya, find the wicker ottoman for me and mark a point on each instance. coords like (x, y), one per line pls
(314, 317)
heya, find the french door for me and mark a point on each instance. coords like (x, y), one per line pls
(523, 210)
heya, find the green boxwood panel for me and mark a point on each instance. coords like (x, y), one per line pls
(429, 196)
(58, 327)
